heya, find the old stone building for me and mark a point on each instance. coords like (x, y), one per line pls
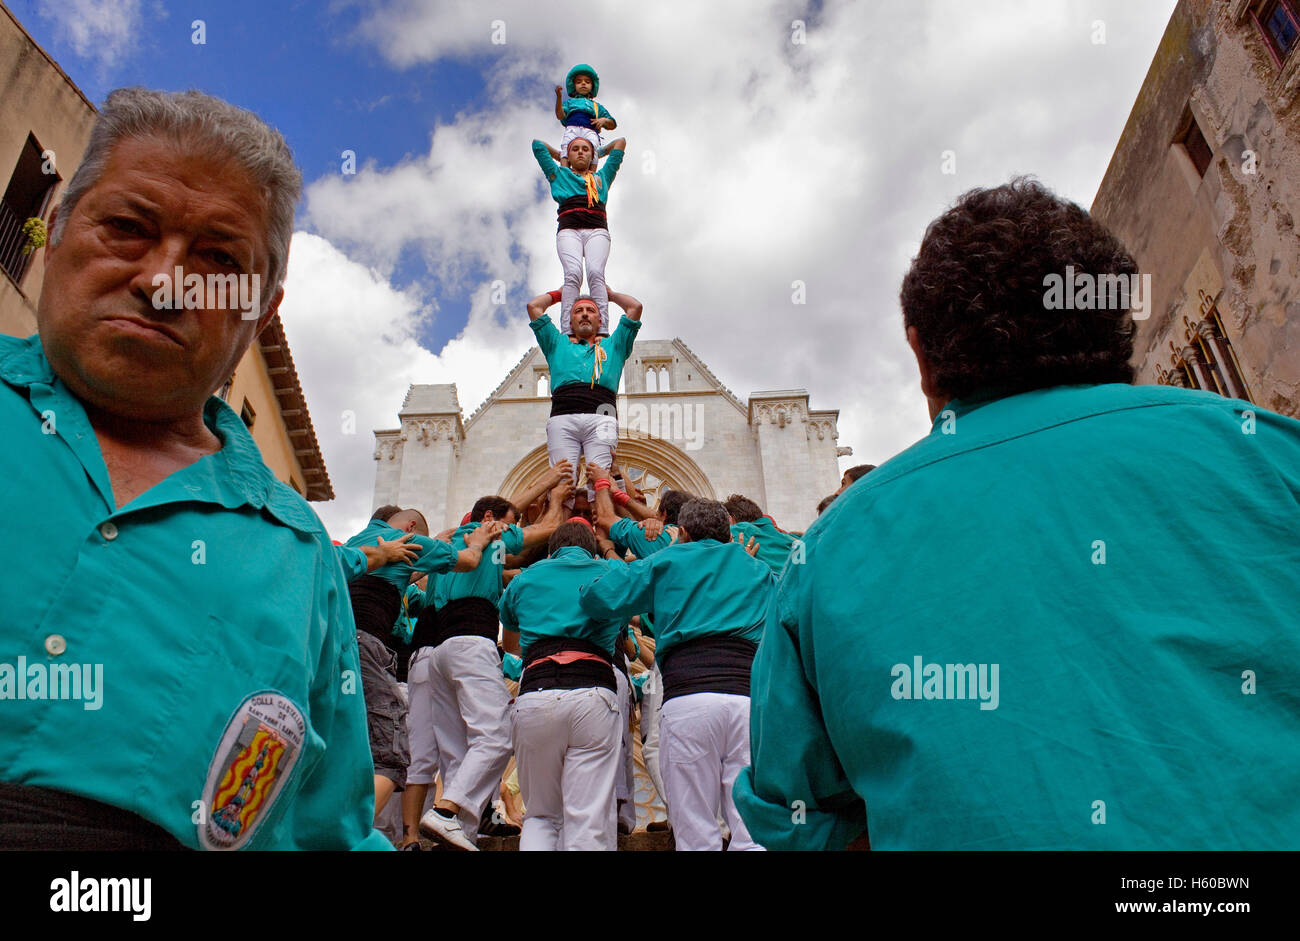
(679, 428)
(1204, 190)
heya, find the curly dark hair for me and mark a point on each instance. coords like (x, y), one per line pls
(499, 507)
(572, 534)
(976, 290)
(742, 509)
(671, 503)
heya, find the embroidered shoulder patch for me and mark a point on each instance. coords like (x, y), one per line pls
(253, 761)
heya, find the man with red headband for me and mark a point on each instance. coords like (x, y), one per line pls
(581, 191)
(584, 378)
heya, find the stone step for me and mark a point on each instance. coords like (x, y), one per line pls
(639, 841)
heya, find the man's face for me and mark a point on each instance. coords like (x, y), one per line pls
(156, 206)
(584, 318)
(582, 85)
(580, 154)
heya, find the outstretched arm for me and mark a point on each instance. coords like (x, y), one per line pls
(544, 482)
(631, 306)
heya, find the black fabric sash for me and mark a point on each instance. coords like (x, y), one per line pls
(466, 617)
(582, 398)
(714, 664)
(540, 673)
(376, 605)
(35, 818)
(574, 213)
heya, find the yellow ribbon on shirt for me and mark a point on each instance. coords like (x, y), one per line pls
(599, 361)
(593, 188)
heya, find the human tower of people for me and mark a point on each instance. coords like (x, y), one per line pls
(575, 584)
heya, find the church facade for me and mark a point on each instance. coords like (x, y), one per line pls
(679, 428)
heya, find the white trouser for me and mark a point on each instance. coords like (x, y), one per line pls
(591, 435)
(419, 719)
(471, 723)
(704, 745)
(652, 699)
(625, 783)
(573, 245)
(589, 134)
(567, 753)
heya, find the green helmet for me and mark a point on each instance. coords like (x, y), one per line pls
(582, 69)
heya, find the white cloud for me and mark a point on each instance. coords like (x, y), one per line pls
(771, 162)
(101, 31)
(353, 341)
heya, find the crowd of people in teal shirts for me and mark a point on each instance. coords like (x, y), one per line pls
(1062, 619)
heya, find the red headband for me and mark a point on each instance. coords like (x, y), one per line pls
(579, 519)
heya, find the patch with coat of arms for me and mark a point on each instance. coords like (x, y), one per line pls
(252, 764)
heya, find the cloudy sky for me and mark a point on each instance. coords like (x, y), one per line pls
(769, 142)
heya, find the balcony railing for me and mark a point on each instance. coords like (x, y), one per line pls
(12, 241)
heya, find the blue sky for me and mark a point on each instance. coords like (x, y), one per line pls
(760, 154)
(298, 65)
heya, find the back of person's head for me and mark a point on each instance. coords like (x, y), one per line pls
(742, 509)
(977, 290)
(671, 503)
(572, 533)
(858, 471)
(399, 520)
(826, 501)
(705, 519)
(496, 505)
(386, 512)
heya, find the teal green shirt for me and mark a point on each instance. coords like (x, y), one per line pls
(435, 555)
(482, 582)
(695, 589)
(566, 183)
(626, 535)
(208, 621)
(542, 601)
(353, 561)
(576, 362)
(774, 545)
(1127, 557)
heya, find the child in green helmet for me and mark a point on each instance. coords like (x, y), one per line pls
(579, 112)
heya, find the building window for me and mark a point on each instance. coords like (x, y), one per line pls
(247, 414)
(1206, 360)
(27, 196)
(542, 382)
(224, 394)
(658, 376)
(1279, 23)
(1194, 144)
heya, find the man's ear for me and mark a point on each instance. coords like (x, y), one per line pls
(922, 364)
(50, 244)
(271, 309)
(488, 517)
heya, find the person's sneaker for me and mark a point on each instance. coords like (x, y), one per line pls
(445, 830)
(656, 826)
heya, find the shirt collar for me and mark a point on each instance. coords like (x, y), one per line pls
(572, 552)
(234, 476)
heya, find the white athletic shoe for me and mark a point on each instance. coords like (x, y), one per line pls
(445, 830)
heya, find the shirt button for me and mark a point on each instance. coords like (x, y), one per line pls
(55, 645)
(108, 531)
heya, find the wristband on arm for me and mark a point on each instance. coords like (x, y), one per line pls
(555, 296)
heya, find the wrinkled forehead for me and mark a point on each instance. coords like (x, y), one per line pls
(588, 307)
